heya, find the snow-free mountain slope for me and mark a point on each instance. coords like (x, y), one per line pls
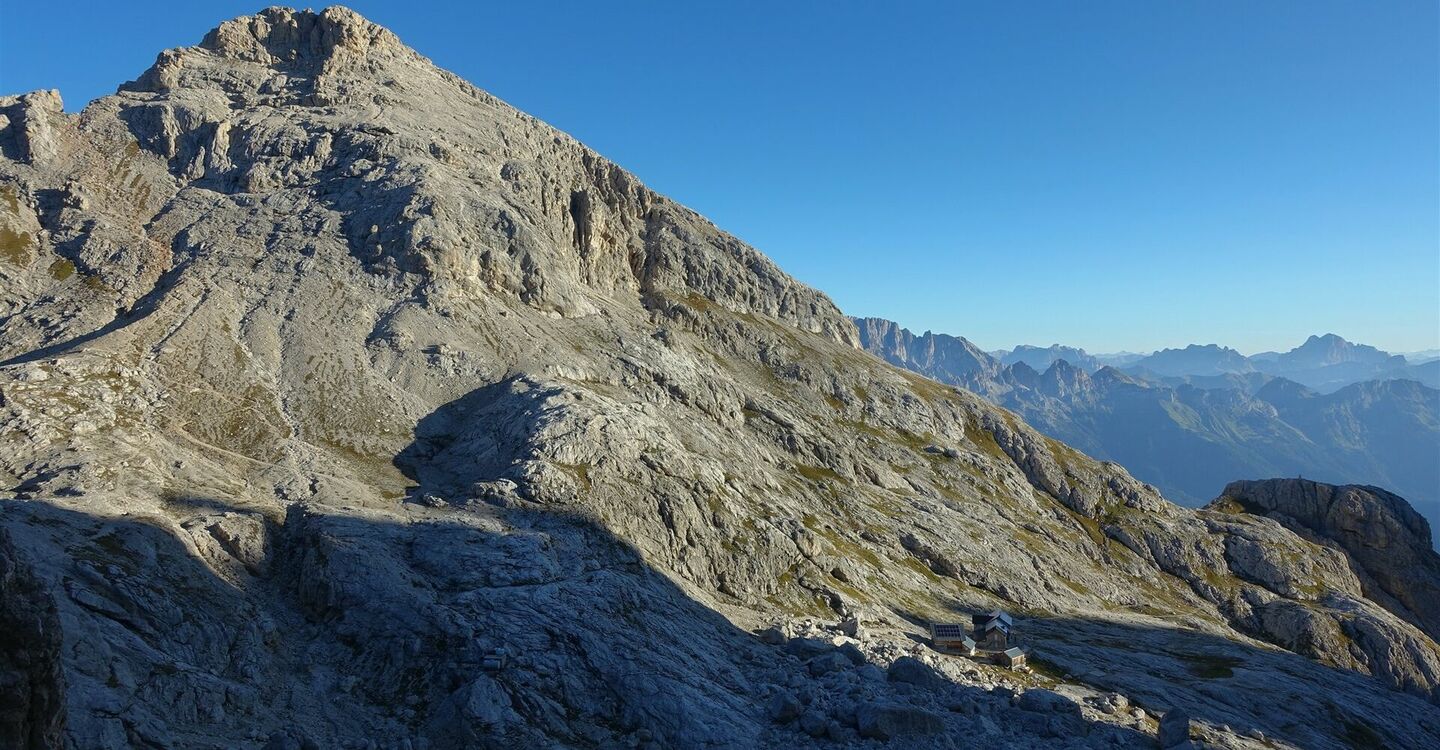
(345, 404)
(1190, 435)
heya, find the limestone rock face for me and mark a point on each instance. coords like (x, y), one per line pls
(1377, 530)
(32, 686)
(342, 405)
(929, 354)
(29, 122)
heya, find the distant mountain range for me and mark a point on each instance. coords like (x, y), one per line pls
(1189, 420)
(1324, 363)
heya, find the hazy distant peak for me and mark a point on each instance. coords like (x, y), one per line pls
(1196, 359)
(1109, 374)
(1330, 349)
(1042, 357)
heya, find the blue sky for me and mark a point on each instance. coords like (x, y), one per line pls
(1112, 175)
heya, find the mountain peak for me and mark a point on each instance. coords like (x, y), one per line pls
(290, 42)
(1331, 349)
(279, 35)
(1326, 341)
(315, 353)
(433, 183)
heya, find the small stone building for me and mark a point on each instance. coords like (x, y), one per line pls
(947, 636)
(1013, 658)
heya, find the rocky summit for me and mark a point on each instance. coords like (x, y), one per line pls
(346, 406)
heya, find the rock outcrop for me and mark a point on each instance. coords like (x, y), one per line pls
(32, 686)
(346, 406)
(1382, 535)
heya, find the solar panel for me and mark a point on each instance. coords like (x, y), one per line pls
(948, 630)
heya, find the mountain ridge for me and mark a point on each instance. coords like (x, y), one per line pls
(345, 404)
(1191, 435)
(1325, 362)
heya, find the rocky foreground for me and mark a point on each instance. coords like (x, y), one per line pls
(346, 406)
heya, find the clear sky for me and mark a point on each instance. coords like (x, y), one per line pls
(1112, 175)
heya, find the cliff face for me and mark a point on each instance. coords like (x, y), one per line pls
(1379, 531)
(343, 403)
(32, 687)
(929, 354)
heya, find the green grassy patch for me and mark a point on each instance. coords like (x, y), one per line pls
(15, 246)
(818, 473)
(985, 440)
(62, 269)
(916, 565)
(925, 388)
(1064, 455)
(866, 428)
(1047, 670)
(697, 301)
(1227, 504)
(106, 550)
(581, 472)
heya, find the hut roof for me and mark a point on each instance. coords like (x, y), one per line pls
(1003, 626)
(947, 630)
(993, 616)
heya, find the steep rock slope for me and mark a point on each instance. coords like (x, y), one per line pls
(32, 687)
(346, 405)
(1380, 532)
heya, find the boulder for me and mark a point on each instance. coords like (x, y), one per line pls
(783, 707)
(887, 720)
(1040, 700)
(1174, 729)
(916, 672)
(824, 664)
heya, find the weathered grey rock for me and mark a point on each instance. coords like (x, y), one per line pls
(784, 707)
(288, 741)
(1041, 700)
(1174, 729)
(852, 627)
(911, 670)
(1376, 529)
(815, 724)
(773, 636)
(827, 663)
(389, 380)
(886, 721)
(32, 685)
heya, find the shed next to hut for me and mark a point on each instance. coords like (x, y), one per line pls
(1013, 658)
